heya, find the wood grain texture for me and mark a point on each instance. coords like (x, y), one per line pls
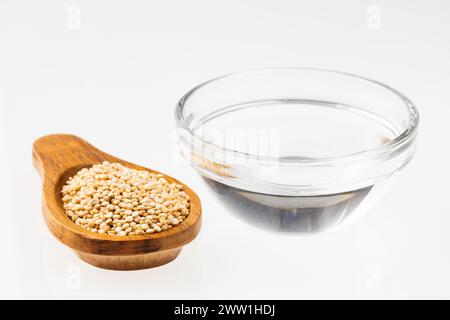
(58, 157)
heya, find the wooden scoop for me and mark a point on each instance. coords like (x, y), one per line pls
(58, 157)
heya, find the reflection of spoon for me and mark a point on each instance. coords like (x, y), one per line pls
(58, 157)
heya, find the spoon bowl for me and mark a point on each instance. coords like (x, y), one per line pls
(58, 157)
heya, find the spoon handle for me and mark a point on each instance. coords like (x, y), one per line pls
(54, 154)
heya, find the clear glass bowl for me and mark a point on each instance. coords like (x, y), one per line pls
(296, 150)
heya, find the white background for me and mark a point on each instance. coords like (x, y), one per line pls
(112, 75)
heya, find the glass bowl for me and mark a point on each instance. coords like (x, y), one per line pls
(296, 150)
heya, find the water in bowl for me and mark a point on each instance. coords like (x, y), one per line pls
(303, 128)
(322, 129)
(292, 214)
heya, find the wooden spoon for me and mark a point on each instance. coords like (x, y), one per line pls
(58, 157)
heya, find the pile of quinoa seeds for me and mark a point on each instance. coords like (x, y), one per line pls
(112, 199)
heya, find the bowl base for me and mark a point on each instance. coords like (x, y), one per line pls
(130, 262)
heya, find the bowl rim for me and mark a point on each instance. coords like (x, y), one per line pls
(368, 154)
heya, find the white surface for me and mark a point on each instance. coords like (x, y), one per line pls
(115, 80)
